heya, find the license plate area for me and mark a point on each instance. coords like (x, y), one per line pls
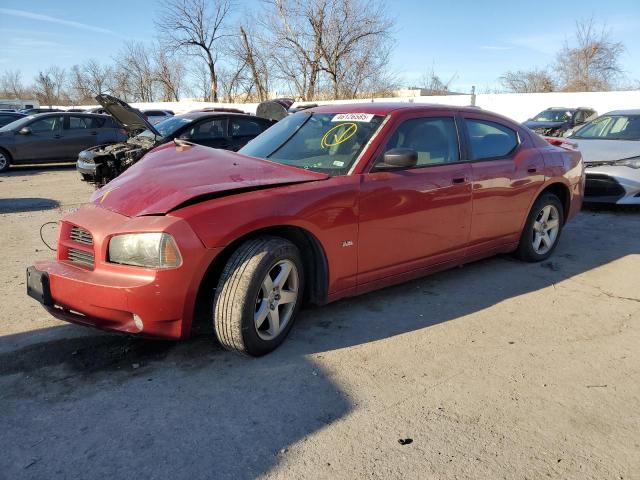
(38, 286)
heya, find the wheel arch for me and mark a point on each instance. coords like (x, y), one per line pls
(316, 267)
(561, 191)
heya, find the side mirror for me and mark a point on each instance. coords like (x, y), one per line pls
(185, 136)
(398, 158)
(24, 131)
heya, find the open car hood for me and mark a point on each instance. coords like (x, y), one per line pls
(130, 118)
(175, 175)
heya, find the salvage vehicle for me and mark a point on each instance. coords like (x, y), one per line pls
(103, 163)
(55, 137)
(556, 121)
(610, 146)
(328, 203)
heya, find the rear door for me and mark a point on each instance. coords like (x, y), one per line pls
(44, 143)
(420, 216)
(506, 172)
(211, 132)
(78, 135)
(242, 130)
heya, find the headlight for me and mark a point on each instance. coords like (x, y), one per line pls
(633, 162)
(152, 250)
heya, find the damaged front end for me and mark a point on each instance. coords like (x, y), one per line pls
(99, 165)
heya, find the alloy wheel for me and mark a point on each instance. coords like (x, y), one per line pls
(4, 161)
(545, 229)
(276, 299)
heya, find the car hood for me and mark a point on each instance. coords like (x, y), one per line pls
(174, 175)
(606, 150)
(130, 118)
(532, 125)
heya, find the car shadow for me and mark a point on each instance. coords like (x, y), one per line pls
(74, 399)
(27, 204)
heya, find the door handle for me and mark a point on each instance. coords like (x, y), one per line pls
(94, 133)
(57, 136)
(459, 180)
(532, 169)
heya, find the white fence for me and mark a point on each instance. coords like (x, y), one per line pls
(518, 106)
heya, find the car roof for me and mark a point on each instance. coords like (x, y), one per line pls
(195, 115)
(385, 108)
(563, 109)
(632, 111)
(67, 114)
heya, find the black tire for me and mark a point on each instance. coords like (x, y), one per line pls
(526, 251)
(5, 160)
(240, 293)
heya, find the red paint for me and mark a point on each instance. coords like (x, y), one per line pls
(403, 224)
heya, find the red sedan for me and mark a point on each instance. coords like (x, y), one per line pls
(328, 203)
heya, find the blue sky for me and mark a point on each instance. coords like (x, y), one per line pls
(474, 42)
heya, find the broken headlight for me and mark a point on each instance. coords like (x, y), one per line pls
(633, 162)
(151, 250)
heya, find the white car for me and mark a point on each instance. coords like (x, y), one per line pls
(610, 147)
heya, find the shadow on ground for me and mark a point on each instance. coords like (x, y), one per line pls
(37, 169)
(76, 403)
(28, 204)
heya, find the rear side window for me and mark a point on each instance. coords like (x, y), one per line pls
(241, 127)
(99, 123)
(435, 140)
(207, 129)
(78, 123)
(490, 139)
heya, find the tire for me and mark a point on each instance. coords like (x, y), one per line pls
(540, 231)
(5, 160)
(247, 307)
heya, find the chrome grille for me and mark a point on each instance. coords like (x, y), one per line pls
(81, 257)
(80, 235)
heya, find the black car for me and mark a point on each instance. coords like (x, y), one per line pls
(229, 131)
(555, 121)
(55, 137)
(8, 117)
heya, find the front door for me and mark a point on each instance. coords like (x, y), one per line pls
(43, 143)
(420, 216)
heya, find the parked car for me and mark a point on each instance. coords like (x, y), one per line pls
(328, 203)
(100, 110)
(554, 122)
(218, 130)
(156, 116)
(8, 117)
(610, 145)
(55, 137)
(33, 111)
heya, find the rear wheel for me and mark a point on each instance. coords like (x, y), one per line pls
(258, 296)
(5, 160)
(542, 230)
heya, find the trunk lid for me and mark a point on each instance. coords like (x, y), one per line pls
(176, 173)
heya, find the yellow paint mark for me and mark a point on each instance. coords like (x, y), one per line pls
(339, 136)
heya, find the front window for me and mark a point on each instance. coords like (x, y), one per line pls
(321, 142)
(166, 127)
(553, 116)
(611, 127)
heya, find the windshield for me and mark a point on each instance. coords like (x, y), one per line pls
(21, 122)
(553, 116)
(611, 127)
(321, 142)
(166, 127)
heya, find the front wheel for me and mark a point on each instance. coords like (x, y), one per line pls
(258, 295)
(5, 161)
(542, 230)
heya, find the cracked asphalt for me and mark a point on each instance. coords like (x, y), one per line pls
(498, 370)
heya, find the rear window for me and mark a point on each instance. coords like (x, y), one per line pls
(490, 139)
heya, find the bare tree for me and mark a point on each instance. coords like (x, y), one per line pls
(90, 79)
(434, 84)
(169, 73)
(50, 86)
(11, 84)
(528, 81)
(593, 63)
(197, 27)
(249, 50)
(134, 63)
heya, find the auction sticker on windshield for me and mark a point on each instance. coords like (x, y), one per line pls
(353, 117)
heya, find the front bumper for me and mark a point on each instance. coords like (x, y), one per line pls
(148, 302)
(86, 167)
(612, 184)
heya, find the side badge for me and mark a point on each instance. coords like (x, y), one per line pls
(347, 243)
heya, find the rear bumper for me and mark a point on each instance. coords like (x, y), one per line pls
(613, 184)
